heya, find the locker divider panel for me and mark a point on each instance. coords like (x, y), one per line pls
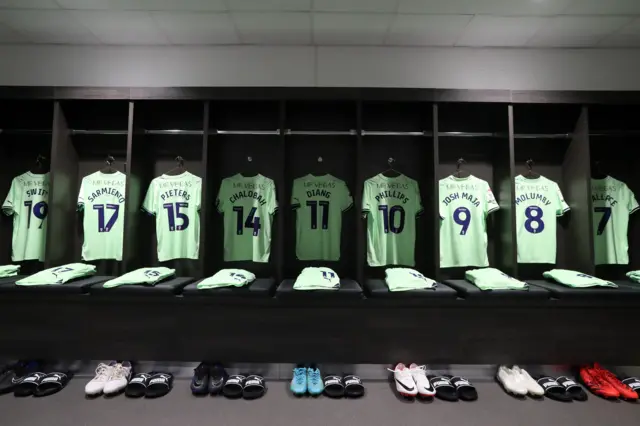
(542, 133)
(479, 134)
(26, 133)
(576, 174)
(64, 183)
(613, 143)
(248, 152)
(207, 199)
(361, 226)
(435, 201)
(401, 132)
(318, 155)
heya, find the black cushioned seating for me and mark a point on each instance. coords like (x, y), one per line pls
(469, 291)
(168, 287)
(349, 290)
(78, 286)
(560, 291)
(260, 287)
(377, 288)
(629, 285)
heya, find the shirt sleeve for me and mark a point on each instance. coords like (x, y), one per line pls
(149, 203)
(220, 198)
(81, 196)
(633, 203)
(561, 206)
(295, 194)
(491, 205)
(418, 201)
(347, 200)
(199, 194)
(366, 200)
(8, 207)
(273, 199)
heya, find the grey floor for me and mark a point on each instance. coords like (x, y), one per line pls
(379, 407)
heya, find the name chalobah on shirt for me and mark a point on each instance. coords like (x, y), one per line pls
(392, 194)
(532, 196)
(248, 194)
(106, 191)
(175, 193)
(457, 196)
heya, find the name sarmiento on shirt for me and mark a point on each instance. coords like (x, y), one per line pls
(106, 191)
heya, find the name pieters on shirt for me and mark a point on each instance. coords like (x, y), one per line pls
(532, 196)
(392, 194)
(248, 194)
(106, 191)
(37, 191)
(604, 197)
(176, 193)
(461, 196)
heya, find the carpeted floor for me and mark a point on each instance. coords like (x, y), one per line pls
(279, 408)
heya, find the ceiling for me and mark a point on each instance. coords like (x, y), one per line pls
(495, 23)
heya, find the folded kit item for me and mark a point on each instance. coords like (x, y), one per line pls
(147, 276)
(634, 276)
(406, 279)
(9, 270)
(227, 278)
(494, 279)
(576, 279)
(59, 274)
(312, 278)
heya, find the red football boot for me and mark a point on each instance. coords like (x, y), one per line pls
(597, 384)
(625, 391)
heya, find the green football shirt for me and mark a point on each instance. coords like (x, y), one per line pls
(464, 206)
(319, 202)
(175, 202)
(391, 205)
(613, 202)
(227, 278)
(576, 279)
(148, 276)
(322, 278)
(28, 202)
(59, 274)
(248, 205)
(538, 202)
(493, 279)
(406, 279)
(101, 198)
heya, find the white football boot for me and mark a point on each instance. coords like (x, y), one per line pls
(404, 381)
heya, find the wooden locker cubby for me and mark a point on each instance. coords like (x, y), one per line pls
(550, 136)
(479, 134)
(26, 133)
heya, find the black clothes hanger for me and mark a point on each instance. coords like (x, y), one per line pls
(109, 167)
(41, 165)
(530, 173)
(179, 169)
(460, 172)
(394, 172)
(598, 171)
